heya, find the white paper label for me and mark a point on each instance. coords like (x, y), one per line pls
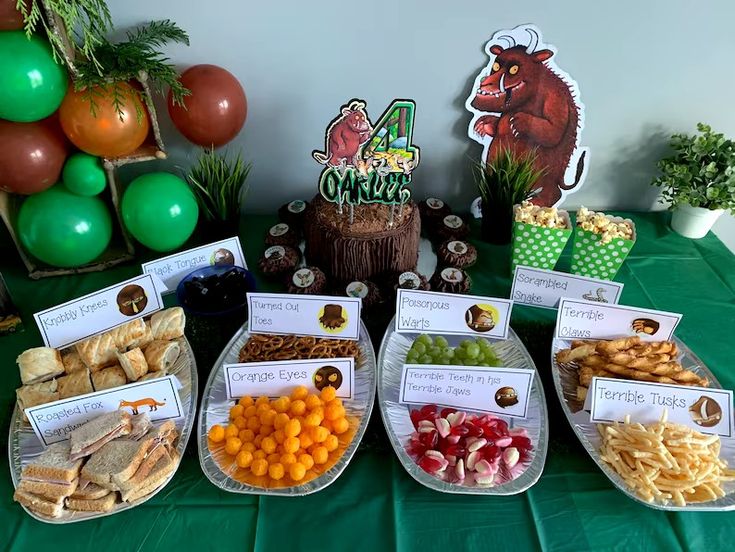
(503, 391)
(545, 288)
(317, 315)
(172, 269)
(98, 312)
(279, 377)
(447, 313)
(579, 319)
(159, 398)
(706, 410)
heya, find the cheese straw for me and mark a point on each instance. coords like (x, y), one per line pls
(665, 462)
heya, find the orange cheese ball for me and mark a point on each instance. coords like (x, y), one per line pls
(250, 447)
(327, 424)
(259, 466)
(236, 411)
(231, 431)
(261, 400)
(297, 471)
(292, 428)
(331, 443)
(333, 411)
(281, 404)
(246, 401)
(232, 445)
(265, 430)
(312, 401)
(298, 407)
(244, 458)
(299, 393)
(268, 444)
(273, 458)
(240, 422)
(253, 423)
(320, 455)
(247, 435)
(258, 439)
(305, 440)
(329, 393)
(335, 402)
(259, 454)
(313, 419)
(319, 434)
(276, 471)
(279, 436)
(216, 433)
(306, 460)
(263, 407)
(267, 418)
(280, 420)
(340, 425)
(287, 459)
(291, 444)
(250, 411)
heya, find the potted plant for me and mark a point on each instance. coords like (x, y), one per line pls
(219, 185)
(698, 181)
(504, 182)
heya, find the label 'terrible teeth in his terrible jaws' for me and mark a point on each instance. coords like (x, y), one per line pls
(447, 313)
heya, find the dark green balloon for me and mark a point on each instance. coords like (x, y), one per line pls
(63, 229)
(160, 210)
(32, 84)
(83, 174)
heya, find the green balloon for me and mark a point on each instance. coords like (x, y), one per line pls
(63, 229)
(160, 210)
(83, 175)
(32, 84)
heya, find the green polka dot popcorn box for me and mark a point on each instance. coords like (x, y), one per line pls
(592, 258)
(537, 246)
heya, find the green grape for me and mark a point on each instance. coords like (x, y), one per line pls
(412, 357)
(449, 352)
(425, 359)
(435, 351)
(473, 351)
(419, 347)
(442, 360)
(481, 357)
(445, 359)
(441, 341)
(425, 339)
(470, 362)
(483, 343)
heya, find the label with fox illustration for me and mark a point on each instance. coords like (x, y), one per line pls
(159, 398)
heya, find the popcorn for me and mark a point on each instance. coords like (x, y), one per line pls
(602, 224)
(546, 217)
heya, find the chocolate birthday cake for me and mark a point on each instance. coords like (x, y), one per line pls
(372, 244)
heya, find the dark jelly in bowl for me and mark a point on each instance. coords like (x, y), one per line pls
(215, 290)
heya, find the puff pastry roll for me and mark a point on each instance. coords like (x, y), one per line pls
(160, 355)
(127, 335)
(107, 378)
(152, 375)
(72, 362)
(37, 393)
(75, 384)
(168, 323)
(144, 339)
(133, 363)
(98, 351)
(39, 364)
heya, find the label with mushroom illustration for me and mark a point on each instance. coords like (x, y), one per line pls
(99, 311)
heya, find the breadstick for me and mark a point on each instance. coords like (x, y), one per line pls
(570, 355)
(612, 347)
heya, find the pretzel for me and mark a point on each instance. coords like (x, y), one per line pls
(261, 347)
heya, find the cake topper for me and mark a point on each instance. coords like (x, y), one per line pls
(366, 163)
(523, 101)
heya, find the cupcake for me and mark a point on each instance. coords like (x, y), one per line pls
(308, 281)
(278, 260)
(456, 253)
(367, 291)
(432, 211)
(411, 280)
(293, 214)
(451, 280)
(281, 234)
(452, 227)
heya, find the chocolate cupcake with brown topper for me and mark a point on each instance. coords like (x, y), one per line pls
(456, 253)
(307, 281)
(451, 280)
(365, 290)
(433, 211)
(278, 260)
(282, 234)
(293, 214)
(452, 227)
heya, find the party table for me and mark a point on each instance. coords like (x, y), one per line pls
(375, 505)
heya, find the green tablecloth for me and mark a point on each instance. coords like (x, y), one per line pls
(375, 505)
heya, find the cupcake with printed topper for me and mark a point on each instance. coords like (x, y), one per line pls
(293, 213)
(365, 290)
(539, 235)
(433, 210)
(601, 244)
(457, 253)
(451, 227)
(307, 281)
(281, 234)
(278, 260)
(451, 280)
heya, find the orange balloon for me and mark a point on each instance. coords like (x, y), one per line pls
(108, 132)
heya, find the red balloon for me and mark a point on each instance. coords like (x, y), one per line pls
(32, 155)
(216, 109)
(10, 18)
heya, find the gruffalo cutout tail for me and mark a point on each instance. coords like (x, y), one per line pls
(523, 101)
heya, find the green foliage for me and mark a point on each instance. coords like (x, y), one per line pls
(701, 173)
(219, 185)
(507, 180)
(85, 21)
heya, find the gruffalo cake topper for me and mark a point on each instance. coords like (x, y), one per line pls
(366, 163)
(523, 101)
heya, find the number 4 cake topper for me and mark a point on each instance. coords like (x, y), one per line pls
(366, 163)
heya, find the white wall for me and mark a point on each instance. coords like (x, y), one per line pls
(645, 69)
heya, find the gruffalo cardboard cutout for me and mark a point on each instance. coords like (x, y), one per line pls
(522, 100)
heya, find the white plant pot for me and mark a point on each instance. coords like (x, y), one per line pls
(694, 222)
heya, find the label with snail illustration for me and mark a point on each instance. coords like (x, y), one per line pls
(538, 287)
(99, 311)
(703, 409)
